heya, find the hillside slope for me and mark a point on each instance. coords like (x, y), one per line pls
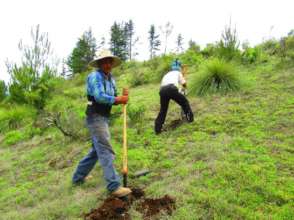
(235, 161)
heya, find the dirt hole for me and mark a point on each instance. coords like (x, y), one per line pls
(115, 208)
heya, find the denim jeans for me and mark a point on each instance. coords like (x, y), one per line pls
(101, 150)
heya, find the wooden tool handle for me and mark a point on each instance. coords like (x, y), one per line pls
(125, 149)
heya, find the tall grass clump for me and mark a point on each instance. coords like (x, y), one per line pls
(216, 76)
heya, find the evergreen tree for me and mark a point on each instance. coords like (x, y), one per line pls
(130, 38)
(33, 80)
(166, 31)
(194, 46)
(83, 53)
(229, 43)
(36, 55)
(154, 42)
(179, 43)
(118, 41)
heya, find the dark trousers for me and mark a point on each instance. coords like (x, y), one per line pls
(166, 94)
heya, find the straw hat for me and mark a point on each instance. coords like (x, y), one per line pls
(102, 55)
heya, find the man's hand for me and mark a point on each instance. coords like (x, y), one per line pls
(121, 99)
(125, 92)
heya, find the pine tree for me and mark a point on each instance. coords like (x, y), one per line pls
(166, 31)
(179, 43)
(33, 80)
(118, 41)
(194, 46)
(83, 53)
(130, 38)
(154, 42)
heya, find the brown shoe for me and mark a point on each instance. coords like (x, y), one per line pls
(88, 177)
(121, 191)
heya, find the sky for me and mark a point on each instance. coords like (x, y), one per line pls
(201, 21)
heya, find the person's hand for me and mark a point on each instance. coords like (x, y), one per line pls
(125, 92)
(121, 99)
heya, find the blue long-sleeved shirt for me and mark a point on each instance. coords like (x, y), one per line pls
(101, 87)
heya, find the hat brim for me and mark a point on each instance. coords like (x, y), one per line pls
(116, 61)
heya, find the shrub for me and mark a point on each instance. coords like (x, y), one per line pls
(14, 137)
(3, 90)
(191, 58)
(250, 55)
(271, 46)
(26, 88)
(227, 47)
(160, 66)
(215, 76)
(16, 116)
(136, 112)
(209, 50)
(289, 44)
(140, 77)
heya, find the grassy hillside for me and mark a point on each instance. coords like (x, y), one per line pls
(235, 161)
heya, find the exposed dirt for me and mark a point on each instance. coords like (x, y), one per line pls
(152, 207)
(114, 208)
(173, 125)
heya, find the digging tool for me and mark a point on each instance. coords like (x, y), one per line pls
(125, 148)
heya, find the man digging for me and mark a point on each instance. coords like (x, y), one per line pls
(169, 90)
(101, 93)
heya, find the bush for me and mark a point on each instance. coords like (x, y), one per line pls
(13, 137)
(141, 77)
(209, 50)
(215, 76)
(68, 116)
(17, 136)
(160, 66)
(289, 44)
(26, 88)
(191, 58)
(16, 116)
(250, 55)
(270, 47)
(136, 113)
(3, 90)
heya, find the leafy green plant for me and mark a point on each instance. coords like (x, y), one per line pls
(16, 136)
(136, 112)
(215, 76)
(227, 48)
(13, 137)
(139, 77)
(191, 57)
(250, 55)
(3, 90)
(16, 116)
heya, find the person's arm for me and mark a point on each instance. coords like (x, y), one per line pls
(97, 86)
(182, 80)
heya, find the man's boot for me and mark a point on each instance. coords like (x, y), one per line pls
(121, 192)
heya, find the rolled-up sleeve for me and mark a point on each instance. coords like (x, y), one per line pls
(97, 89)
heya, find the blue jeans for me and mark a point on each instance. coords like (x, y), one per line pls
(101, 150)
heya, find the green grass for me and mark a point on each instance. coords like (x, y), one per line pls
(235, 161)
